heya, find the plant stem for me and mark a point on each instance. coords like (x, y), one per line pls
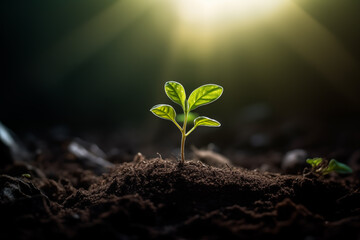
(187, 134)
(183, 137)
(178, 126)
(183, 148)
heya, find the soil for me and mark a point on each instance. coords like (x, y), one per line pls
(162, 199)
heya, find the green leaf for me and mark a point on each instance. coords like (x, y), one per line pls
(205, 121)
(164, 111)
(337, 167)
(204, 95)
(191, 117)
(314, 162)
(176, 92)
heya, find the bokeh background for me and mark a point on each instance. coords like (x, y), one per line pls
(92, 64)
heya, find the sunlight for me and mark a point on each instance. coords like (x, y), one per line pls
(322, 50)
(202, 24)
(213, 12)
(85, 40)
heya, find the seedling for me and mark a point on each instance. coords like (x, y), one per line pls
(318, 165)
(201, 96)
(26, 175)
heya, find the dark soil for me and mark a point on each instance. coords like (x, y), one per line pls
(160, 199)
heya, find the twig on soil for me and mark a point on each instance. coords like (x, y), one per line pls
(228, 166)
(138, 158)
(160, 157)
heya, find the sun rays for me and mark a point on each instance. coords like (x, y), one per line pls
(85, 40)
(317, 46)
(210, 33)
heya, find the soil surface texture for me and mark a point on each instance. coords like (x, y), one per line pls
(162, 199)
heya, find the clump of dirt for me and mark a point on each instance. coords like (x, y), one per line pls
(157, 198)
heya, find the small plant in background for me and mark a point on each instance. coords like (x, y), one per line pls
(26, 175)
(201, 96)
(323, 167)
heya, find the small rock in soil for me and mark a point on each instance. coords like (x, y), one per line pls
(294, 161)
(90, 155)
(11, 149)
(211, 158)
(20, 192)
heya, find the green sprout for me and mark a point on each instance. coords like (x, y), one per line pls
(26, 175)
(201, 96)
(318, 165)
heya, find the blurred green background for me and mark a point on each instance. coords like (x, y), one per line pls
(100, 64)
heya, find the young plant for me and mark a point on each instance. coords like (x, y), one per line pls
(318, 165)
(201, 96)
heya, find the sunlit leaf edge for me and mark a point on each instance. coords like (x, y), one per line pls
(207, 118)
(181, 103)
(164, 105)
(211, 101)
